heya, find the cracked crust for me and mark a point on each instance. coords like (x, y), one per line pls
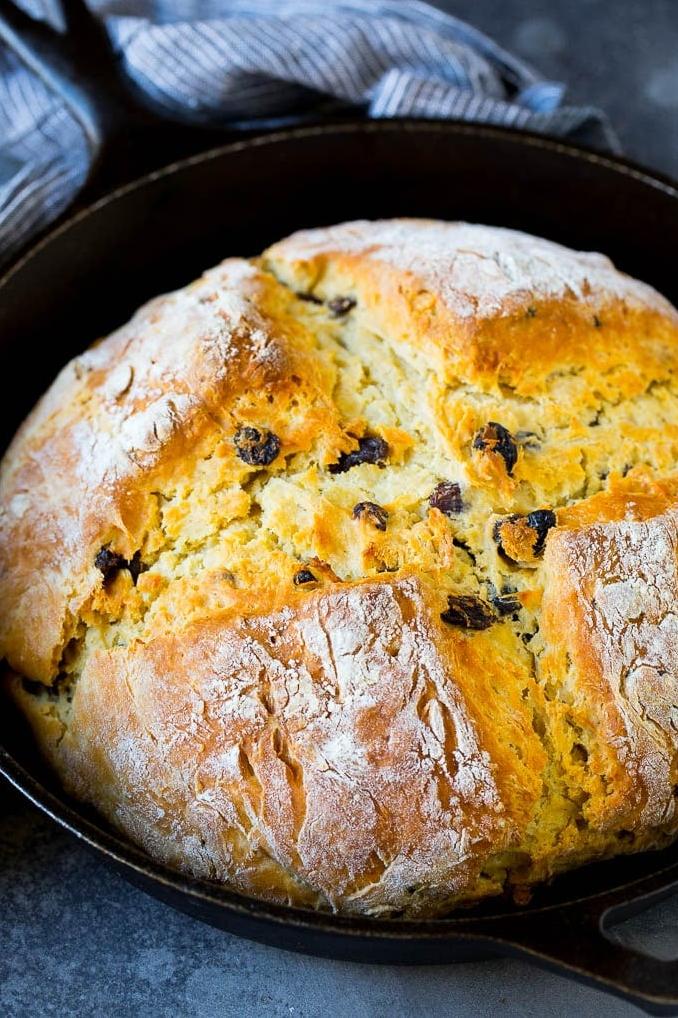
(335, 739)
(609, 626)
(119, 421)
(488, 305)
(264, 684)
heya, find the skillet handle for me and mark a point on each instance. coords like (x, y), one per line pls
(575, 940)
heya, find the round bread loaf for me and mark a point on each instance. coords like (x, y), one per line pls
(347, 575)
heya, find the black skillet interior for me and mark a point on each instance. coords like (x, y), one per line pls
(91, 273)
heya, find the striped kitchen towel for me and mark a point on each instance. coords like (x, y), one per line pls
(235, 61)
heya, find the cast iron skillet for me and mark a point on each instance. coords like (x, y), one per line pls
(91, 271)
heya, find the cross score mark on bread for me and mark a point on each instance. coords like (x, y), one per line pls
(347, 575)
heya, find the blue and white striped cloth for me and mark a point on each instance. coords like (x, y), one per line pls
(226, 61)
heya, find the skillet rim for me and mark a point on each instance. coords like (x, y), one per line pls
(616, 163)
(125, 855)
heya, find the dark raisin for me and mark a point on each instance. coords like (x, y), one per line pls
(505, 603)
(304, 576)
(254, 447)
(463, 546)
(340, 306)
(496, 534)
(371, 512)
(310, 298)
(541, 521)
(597, 322)
(468, 611)
(446, 497)
(495, 437)
(523, 544)
(108, 562)
(531, 312)
(136, 566)
(371, 449)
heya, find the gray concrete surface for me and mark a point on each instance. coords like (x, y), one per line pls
(621, 55)
(78, 940)
(75, 939)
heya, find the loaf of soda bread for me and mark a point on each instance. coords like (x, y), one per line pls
(347, 575)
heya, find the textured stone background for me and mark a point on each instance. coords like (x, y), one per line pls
(77, 940)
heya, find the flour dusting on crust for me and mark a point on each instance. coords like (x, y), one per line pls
(347, 576)
(477, 270)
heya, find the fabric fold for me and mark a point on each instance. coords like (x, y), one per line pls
(248, 61)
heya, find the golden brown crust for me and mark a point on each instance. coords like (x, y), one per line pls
(334, 739)
(491, 306)
(118, 421)
(609, 627)
(366, 601)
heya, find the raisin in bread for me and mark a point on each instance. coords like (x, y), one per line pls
(347, 575)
